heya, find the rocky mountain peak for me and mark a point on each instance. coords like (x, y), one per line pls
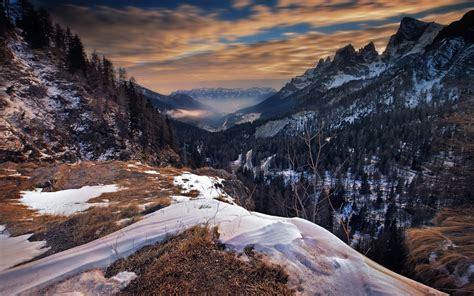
(368, 52)
(408, 35)
(410, 29)
(345, 54)
(463, 28)
(323, 63)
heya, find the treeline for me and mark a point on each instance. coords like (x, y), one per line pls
(138, 119)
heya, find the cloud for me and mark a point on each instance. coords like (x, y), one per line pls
(241, 3)
(181, 113)
(173, 48)
(275, 61)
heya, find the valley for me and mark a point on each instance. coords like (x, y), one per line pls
(354, 178)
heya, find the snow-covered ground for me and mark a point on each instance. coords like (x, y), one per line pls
(208, 187)
(14, 250)
(291, 125)
(317, 262)
(65, 202)
(250, 117)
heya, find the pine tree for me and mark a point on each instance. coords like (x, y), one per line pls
(171, 141)
(4, 18)
(365, 187)
(59, 38)
(76, 58)
(395, 253)
(36, 25)
(133, 109)
(108, 73)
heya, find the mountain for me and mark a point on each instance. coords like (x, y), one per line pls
(366, 145)
(343, 166)
(207, 107)
(421, 63)
(228, 100)
(182, 107)
(227, 93)
(173, 101)
(47, 113)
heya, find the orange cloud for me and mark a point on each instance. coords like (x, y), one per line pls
(168, 49)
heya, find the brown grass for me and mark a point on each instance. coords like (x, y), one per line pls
(83, 228)
(194, 262)
(64, 232)
(451, 240)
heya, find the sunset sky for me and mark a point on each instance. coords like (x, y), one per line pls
(169, 45)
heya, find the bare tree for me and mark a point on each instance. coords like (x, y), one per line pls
(303, 192)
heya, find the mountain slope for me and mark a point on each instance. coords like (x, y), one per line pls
(49, 114)
(316, 261)
(421, 64)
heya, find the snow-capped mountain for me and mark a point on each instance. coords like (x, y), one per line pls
(227, 100)
(173, 101)
(423, 62)
(227, 93)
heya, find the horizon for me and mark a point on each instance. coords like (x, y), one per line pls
(234, 44)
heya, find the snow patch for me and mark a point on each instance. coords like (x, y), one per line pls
(208, 187)
(65, 202)
(15, 250)
(250, 117)
(291, 125)
(124, 278)
(151, 172)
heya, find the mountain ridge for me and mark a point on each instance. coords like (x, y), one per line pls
(357, 70)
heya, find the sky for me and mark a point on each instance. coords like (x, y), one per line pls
(168, 45)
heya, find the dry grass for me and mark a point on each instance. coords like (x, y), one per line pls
(140, 194)
(80, 229)
(194, 262)
(441, 254)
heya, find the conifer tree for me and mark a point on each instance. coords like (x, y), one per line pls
(4, 19)
(59, 38)
(36, 25)
(76, 57)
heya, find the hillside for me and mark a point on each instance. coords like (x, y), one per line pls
(50, 113)
(314, 260)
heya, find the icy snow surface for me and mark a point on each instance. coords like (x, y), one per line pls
(65, 202)
(316, 260)
(14, 250)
